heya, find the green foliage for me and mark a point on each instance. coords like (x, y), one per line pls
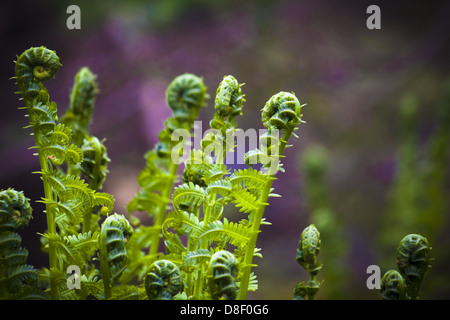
(207, 255)
(72, 233)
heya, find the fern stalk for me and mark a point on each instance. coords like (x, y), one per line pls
(256, 224)
(51, 225)
(154, 245)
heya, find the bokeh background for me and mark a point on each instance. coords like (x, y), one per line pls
(377, 170)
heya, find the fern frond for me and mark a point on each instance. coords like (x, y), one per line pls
(67, 255)
(86, 243)
(61, 135)
(245, 200)
(125, 292)
(215, 173)
(10, 240)
(182, 222)
(249, 178)
(105, 200)
(76, 187)
(193, 258)
(222, 187)
(234, 233)
(188, 193)
(13, 256)
(146, 200)
(17, 275)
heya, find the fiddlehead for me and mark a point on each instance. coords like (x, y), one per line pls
(281, 112)
(308, 249)
(81, 107)
(163, 280)
(223, 271)
(307, 252)
(413, 259)
(15, 210)
(17, 279)
(229, 100)
(185, 96)
(114, 234)
(392, 286)
(34, 66)
(95, 162)
(286, 109)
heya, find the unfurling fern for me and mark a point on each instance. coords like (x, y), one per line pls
(69, 201)
(229, 101)
(17, 279)
(114, 234)
(82, 100)
(413, 261)
(163, 280)
(185, 96)
(207, 255)
(307, 252)
(208, 186)
(392, 286)
(223, 272)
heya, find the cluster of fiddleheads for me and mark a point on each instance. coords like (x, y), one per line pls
(185, 96)
(17, 279)
(413, 260)
(307, 252)
(198, 206)
(197, 237)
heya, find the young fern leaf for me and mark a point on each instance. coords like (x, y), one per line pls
(188, 193)
(413, 259)
(307, 252)
(115, 232)
(163, 280)
(222, 274)
(185, 96)
(17, 279)
(392, 286)
(68, 199)
(220, 232)
(193, 258)
(82, 100)
(282, 112)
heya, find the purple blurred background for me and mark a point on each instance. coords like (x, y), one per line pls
(350, 77)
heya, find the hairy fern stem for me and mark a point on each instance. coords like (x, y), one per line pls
(249, 253)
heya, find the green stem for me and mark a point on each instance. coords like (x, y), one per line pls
(93, 185)
(51, 226)
(106, 276)
(248, 259)
(154, 244)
